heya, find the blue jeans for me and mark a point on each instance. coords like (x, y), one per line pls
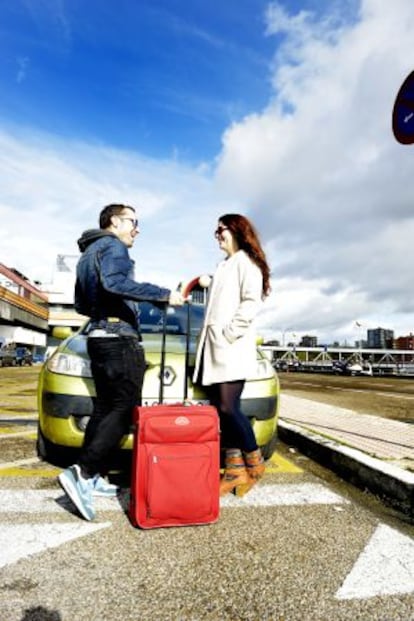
(118, 367)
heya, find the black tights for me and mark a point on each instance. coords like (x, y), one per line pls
(236, 430)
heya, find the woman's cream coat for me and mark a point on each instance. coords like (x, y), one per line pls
(228, 339)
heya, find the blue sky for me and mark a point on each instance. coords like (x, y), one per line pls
(162, 77)
(189, 109)
(159, 76)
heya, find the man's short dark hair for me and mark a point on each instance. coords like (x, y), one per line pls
(114, 209)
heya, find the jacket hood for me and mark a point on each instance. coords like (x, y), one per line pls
(90, 236)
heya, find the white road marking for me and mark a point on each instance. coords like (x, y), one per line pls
(47, 501)
(54, 501)
(284, 495)
(385, 567)
(19, 462)
(20, 541)
(373, 392)
(23, 540)
(391, 394)
(359, 390)
(17, 434)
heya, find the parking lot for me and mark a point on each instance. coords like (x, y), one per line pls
(302, 545)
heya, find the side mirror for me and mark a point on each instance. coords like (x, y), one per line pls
(62, 332)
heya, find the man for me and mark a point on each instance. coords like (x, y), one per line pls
(106, 292)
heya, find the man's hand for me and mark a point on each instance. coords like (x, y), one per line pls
(176, 299)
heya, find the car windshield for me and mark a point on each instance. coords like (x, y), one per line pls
(151, 319)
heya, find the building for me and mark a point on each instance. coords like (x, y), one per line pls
(405, 342)
(309, 341)
(30, 315)
(23, 311)
(379, 338)
(60, 293)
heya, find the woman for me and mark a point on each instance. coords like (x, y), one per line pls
(226, 353)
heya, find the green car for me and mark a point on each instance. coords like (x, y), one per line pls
(66, 389)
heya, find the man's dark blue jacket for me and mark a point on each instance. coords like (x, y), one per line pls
(105, 285)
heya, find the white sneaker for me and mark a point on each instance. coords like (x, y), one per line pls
(79, 490)
(101, 487)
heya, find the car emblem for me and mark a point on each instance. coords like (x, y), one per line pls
(169, 376)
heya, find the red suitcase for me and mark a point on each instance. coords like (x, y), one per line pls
(176, 462)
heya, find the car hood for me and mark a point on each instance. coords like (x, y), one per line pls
(175, 344)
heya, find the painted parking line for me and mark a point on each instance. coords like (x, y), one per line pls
(29, 539)
(279, 464)
(44, 473)
(19, 468)
(35, 538)
(372, 392)
(385, 566)
(279, 495)
(8, 433)
(18, 462)
(49, 501)
(54, 501)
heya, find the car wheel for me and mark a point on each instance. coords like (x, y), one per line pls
(269, 448)
(53, 453)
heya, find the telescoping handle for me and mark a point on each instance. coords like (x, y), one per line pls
(187, 347)
(163, 347)
(162, 361)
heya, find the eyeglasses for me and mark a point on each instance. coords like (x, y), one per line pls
(133, 221)
(219, 230)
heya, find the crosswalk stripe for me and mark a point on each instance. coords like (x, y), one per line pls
(47, 501)
(289, 494)
(22, 540)
(53, 500)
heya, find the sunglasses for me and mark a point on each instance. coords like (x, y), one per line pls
(133, 221)
(219, 230)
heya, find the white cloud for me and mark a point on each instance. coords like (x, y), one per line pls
(317, 170)
(323, 177)
(52, 190)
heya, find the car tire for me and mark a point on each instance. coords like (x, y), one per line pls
(43, 447)
(269, 448)
(53, 453)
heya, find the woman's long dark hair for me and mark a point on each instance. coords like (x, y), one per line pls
(247, 239)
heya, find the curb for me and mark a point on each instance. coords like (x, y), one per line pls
(393, 485)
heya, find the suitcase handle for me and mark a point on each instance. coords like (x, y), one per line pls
(162, 361)
(187, 351)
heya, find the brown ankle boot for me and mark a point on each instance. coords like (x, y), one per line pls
(255, 464)
(235, 473)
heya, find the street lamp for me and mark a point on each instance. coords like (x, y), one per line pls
(284, 332)
(360, 327)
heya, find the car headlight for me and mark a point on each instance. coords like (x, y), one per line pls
(67, 364)
(264, 369)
